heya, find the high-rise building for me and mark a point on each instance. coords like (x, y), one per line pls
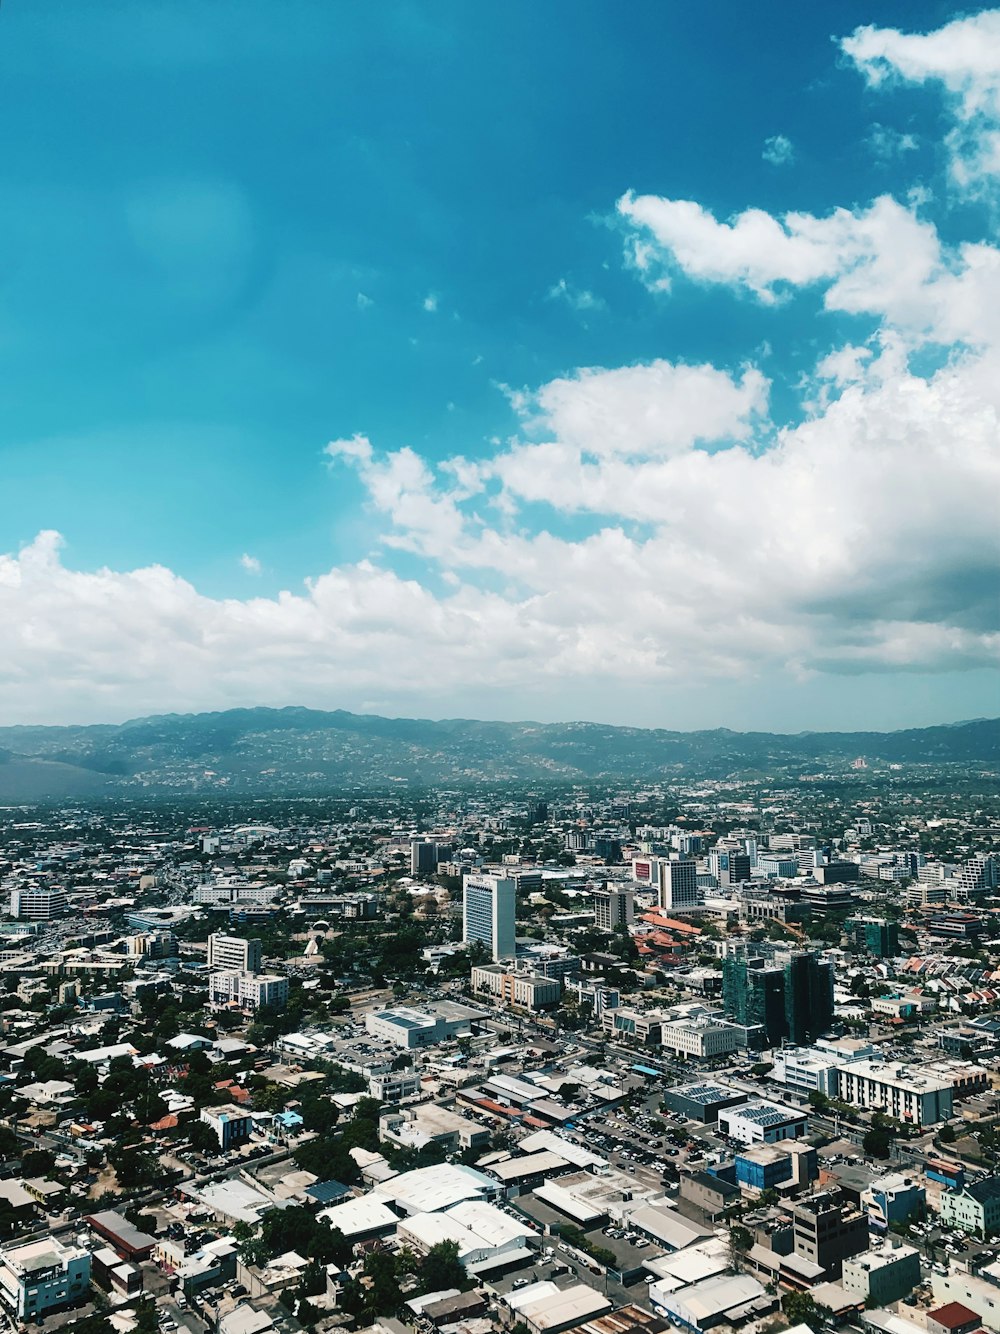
(979, 876)
(754, 996)
(786, 995)
(488, 913)
(729, 867)
(613, 908)
(423, 857)
(878, 936)
(234, 954)
(808, 996)
(678, 887)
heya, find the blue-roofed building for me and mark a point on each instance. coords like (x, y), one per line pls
(328, 1192)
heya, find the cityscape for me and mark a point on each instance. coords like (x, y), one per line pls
(499, 667)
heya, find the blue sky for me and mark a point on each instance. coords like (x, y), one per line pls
(234, 233)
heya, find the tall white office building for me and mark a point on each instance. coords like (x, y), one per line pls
(679, 885)
(488, 912)
(234, 954)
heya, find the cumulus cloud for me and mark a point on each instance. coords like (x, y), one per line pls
(963, 57)
(645, 524)
(250, 563)
(778, 150)
(430, 302)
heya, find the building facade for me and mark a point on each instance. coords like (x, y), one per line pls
(234, 954)
(488, 913)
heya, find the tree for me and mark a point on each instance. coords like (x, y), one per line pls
(947, 1134)
(202, 1137)
(441, 1268)
(818, 1101)
(800, 1309)
(740, 1241)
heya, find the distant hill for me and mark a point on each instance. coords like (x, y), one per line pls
(301, 751)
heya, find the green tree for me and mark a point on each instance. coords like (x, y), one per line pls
(441, 1268)
(800, 1309)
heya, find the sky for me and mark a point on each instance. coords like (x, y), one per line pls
(628, 362)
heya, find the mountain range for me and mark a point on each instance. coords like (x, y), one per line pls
(307, 751)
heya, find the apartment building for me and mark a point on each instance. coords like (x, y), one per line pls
(250, 991)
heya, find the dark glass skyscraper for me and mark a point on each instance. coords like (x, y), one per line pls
(789, 996)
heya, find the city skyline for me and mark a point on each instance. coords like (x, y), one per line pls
(474, 364)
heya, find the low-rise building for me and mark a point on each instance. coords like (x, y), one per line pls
(521, 991)
(43, 1276)
(700, 1038)
(975, 1208)
(762, 1123)
(880, 1277)
(902, 1091)
(893, 1198)
(230, 1124)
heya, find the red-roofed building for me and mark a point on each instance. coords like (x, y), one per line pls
(953, 1318)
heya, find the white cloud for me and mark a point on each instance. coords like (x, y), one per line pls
(364, 302)
(430, 302)
(577, 298)
(778, 150)
(964, 58)
(886, 144)
(250, 563)
(647, 524)
(657, 408)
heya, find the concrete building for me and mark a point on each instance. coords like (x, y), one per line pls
(230, 1124)
(679, 889)
(974, 1209)
(233, 954)
(402, 1026)
(488, 913)
(880, 1277)
(698, 1039)
(34, 904)
(43, 1276)
(902, 1091)
(893, 1198)
(522, 991)
(826, 1234)
(613, 908)
(762, 1123)
(250, 991)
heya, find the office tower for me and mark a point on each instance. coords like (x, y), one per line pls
(808, 996)
(754, 996)
(876, 935)
(978, 876)
(679, 885)
(234, 954)
(488, 912)
(423, 857)
(729, 867)
(613, 908)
